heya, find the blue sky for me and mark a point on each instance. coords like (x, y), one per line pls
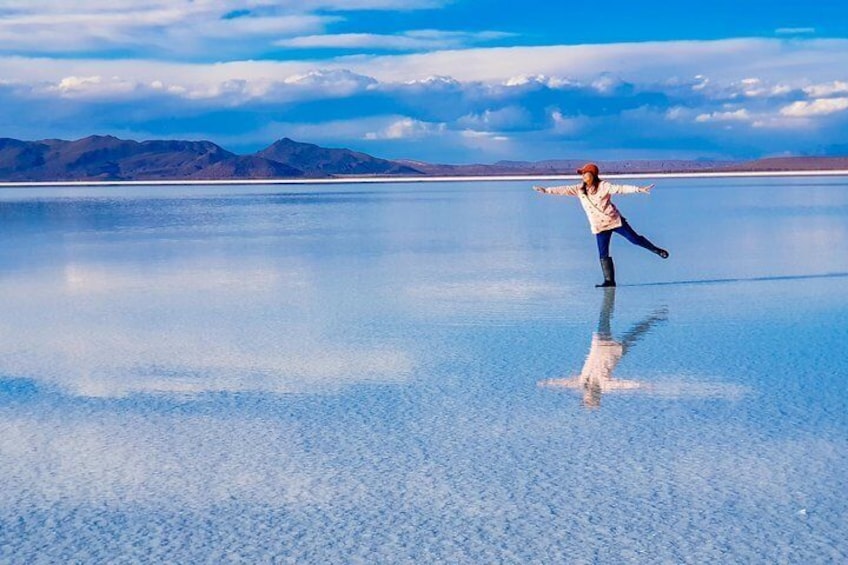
(436, 80)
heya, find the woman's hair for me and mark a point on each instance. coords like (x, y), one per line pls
(595, 177)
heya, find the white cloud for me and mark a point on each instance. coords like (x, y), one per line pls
(677, 113)
(818, 107)
(238, 90)
(637, 63)
(266, 26)
(331, 82)
(826, 89)
(406, 128)
(499, 119)
(351, 5)
(607, 84)
(757, 88)
(477, 134)
(170, 29)
(778, 122)
(523, 80)
(534, 81)
(795, 31)
(94, 87)
(752, 87)
(566, 125)
(410, 40)
(741, 115)
(640, 64)
(174, 28)
(702, 82)
(435, 81)
(497, 145)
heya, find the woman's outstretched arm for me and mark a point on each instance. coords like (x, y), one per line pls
(564, 190)
(628, 188)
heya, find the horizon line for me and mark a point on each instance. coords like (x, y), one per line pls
(410, 179)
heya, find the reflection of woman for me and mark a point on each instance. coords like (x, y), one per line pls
(595, 377)
(604, 218)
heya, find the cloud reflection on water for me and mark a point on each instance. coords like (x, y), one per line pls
(115, 330)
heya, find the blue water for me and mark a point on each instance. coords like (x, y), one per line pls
(398, 373)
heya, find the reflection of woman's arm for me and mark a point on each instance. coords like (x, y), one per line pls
(571, 382)
(639, 330)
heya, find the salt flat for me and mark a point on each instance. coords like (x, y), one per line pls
(393, 372)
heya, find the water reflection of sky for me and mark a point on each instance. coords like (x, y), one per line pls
(225, 374)
(113, 329)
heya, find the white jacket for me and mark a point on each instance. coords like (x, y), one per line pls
(597, 202)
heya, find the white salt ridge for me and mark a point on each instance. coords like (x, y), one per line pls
(429, 179)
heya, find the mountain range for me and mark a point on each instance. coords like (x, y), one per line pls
(107, 158)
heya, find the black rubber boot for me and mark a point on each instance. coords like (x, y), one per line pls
(609, 272)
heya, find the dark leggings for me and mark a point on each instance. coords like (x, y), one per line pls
(627, 232)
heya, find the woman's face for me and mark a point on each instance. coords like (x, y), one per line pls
(589, 178)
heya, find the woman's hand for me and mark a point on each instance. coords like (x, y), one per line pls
(646, 189)
(540, 189)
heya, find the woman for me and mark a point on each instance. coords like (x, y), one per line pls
(604, 218)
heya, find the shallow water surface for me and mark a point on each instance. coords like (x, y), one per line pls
(413, 373)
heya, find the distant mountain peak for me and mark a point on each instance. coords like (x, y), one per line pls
(315, 160)
(289, 141)
(99, 157)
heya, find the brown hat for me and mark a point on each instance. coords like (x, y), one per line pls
(589, 168)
